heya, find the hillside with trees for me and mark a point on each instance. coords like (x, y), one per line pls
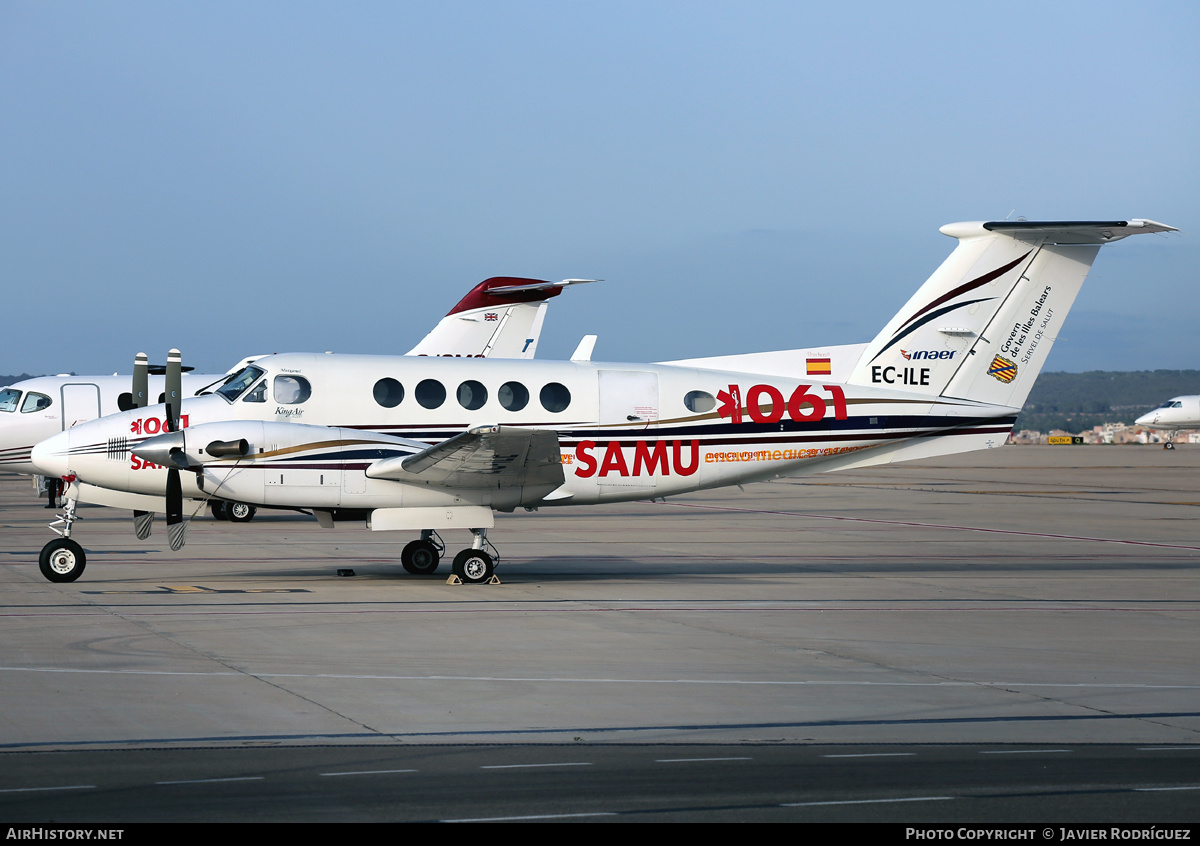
(1078, 401)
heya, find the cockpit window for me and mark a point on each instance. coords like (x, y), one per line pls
(291, 390)
(9, 398)
(259, 394)
(35, 402)
(239, 382)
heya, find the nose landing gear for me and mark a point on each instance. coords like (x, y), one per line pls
(63, 560)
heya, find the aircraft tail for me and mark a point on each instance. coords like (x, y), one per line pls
(981, 326)
(500, 317)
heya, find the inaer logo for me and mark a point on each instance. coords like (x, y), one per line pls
(1003, 369)
(927, 354)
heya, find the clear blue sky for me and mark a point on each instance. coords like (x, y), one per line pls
(237, 178)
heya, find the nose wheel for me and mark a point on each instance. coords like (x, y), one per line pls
(62, 560)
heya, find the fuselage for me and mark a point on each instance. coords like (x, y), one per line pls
(35, 409)
(625, 431)
(1175, 413)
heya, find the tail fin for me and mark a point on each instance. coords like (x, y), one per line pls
(981, 326)
(500, 317)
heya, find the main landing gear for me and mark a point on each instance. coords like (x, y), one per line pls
(63, 560)
(473, 566)
(421, 557)
(477, 564)
(235, 512)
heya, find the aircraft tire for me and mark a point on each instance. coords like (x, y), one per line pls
(220, 510)
(420, 557)
(473, 566)
(1169, 446)
(240, 512)
(62, 560)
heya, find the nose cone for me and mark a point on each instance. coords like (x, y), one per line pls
(1147, 419)
(52, 456)
(158, 450)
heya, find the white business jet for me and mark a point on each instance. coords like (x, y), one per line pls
(429, 444)
(1173, 415)
(500, 317)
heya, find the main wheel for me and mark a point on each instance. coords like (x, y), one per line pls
(420, 557)
(62, 560)
(220, 509)
(240, 512)
(473, 566)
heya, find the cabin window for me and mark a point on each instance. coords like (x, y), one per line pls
(124, 401)
(291, 390)
(388, 392)
(513, 396)
(9, 398)
(472, 395)
(699, 401)
(555, 397)
(431, 393)
(35, 402)
(259, 394)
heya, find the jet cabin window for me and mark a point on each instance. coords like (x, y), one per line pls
(513, 396)
(555, 397)
(291, 390)
(472, 395)
(35, 402)
(699, 401)
(388, 392)
(9, 398)
(431, 393)
(240, 381)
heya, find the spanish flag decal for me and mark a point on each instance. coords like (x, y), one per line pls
(1003, 369)
(819, 366)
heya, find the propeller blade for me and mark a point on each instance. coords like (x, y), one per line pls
(175, 524)
(142, 521)
(174, 388)
(141, 379)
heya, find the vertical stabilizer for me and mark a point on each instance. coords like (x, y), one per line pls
(500, 317)
(981, 326)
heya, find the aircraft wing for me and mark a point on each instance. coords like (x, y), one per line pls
(483, 457)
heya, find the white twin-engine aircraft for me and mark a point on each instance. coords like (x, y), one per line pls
(501, 317)
(1173, 415)
(431, 444)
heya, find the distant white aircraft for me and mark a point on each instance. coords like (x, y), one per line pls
(500, 317)
(1174, 414)
(428, 444)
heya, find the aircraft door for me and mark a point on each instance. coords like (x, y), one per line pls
(628, 406)
(628, 397)
(80, 403)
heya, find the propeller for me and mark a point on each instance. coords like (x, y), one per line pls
(176, 527)
(143, 521)
(174, 459)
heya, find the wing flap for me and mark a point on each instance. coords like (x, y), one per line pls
(484, 457)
